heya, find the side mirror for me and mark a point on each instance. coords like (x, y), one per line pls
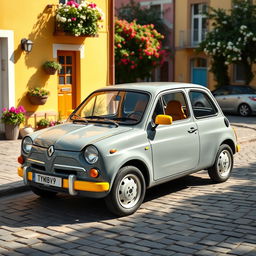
(163, 119)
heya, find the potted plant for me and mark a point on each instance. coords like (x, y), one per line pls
(37, 96)
(12, 118)
(50, 67)
(43, 123)
(79, 19)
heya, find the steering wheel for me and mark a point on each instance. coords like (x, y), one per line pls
(136, 115)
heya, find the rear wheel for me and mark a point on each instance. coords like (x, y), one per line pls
(244, 110)
(43, 193)
(221, 170)
(127, 193)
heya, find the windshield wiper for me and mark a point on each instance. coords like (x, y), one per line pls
(101, 119)
(78, 119)
(124, 118)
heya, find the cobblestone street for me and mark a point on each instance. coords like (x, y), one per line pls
(189, 216)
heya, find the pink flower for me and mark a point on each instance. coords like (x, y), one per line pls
(12, 109)
(73, 19)
(92, 5)
(71, 3)
(4, 109)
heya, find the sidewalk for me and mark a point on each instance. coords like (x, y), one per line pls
(11, 183)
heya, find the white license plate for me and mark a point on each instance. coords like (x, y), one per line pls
(47, 180)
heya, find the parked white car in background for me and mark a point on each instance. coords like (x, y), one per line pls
(236, 99)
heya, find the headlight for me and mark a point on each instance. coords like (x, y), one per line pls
(91, 154)
(27, 144)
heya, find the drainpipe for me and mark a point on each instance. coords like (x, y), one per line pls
(173, 38)
(111, 42)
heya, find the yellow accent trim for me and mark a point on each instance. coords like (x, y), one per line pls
(88, 186)
(163, 119)
(20, 171)
(238, 148)
(30, 176)
(78, 184)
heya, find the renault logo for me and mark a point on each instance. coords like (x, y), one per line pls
(50, 151)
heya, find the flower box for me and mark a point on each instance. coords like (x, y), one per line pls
(37, 100)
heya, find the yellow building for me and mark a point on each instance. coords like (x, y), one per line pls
(190, 29)
(88, 62)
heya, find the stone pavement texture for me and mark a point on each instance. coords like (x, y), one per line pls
(188, 216)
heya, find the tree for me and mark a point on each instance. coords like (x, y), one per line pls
(232, 39)
(137, 50)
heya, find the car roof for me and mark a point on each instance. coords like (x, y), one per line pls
(153, 87)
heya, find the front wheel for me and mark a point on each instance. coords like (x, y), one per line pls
(127, 193)
(221, 170)
(244, 110)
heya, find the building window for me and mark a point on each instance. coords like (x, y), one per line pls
(198, 23)
(239, 73)
(157, 8)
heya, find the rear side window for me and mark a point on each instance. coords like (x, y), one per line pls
(202, 105)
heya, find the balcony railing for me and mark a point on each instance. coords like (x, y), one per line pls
(191, 38)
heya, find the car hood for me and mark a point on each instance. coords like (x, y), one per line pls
(74, 137)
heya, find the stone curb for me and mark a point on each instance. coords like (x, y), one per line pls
(14, 190)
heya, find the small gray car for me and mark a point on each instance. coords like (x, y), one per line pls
(126, 138)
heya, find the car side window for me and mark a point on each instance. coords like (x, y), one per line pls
(172, 104)
(221, 92)
(202, 105)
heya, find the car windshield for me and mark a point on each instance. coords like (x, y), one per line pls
(113, 107)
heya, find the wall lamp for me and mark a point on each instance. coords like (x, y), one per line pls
(26, 45)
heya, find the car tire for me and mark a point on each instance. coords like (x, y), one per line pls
(222, 168)
(244, 110)
(127, 193)
(43, 193)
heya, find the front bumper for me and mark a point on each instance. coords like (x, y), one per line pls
(71, 184)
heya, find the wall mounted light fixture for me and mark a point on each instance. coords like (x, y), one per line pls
(26, 45)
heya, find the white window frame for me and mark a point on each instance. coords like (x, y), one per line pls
(155, 2)
(200, 18)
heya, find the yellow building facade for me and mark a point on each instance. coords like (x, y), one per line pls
(190, 29)
(87, 62)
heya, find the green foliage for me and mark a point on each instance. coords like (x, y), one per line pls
(232, 39)
(52, 64)
(137, 50)
(38, 91)
(13, 115)
(79, 19)
(43, 122)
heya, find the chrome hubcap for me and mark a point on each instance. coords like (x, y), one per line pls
(244, 110)
(129, 191)
(224, 163)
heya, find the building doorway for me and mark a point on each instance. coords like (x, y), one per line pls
(66, 83)
(199, 71)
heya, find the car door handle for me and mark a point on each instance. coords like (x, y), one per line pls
(192, 129)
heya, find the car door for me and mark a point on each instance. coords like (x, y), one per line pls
(222, 96)
(175, 147)
(210, 127)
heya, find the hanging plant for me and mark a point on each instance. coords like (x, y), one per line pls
(79, 19)
(37, 96)
(50, 67)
